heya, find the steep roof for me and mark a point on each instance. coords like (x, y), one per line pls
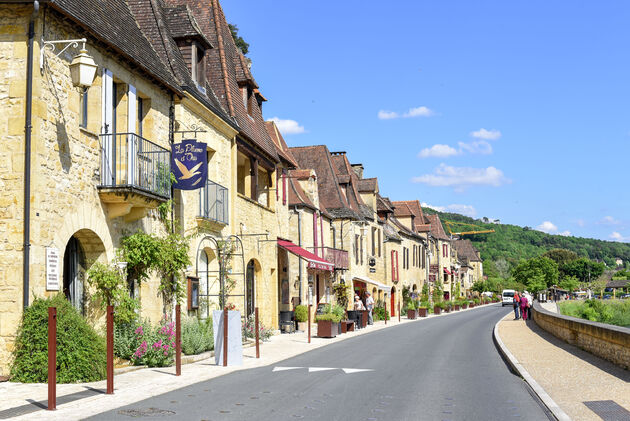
(297, 195)
(343, 169)
(383, 204)
(465, 249)
(368, 185)
(436, 227)
(280, 144)
(112, 23)
(412, 208)
(227, 68)
(331, 197)
(182, 24)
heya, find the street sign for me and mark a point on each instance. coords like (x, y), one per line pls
(372, 270)
(372, 262)
(52, 269)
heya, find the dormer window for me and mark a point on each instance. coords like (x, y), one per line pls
(247, 93)
(198, 65)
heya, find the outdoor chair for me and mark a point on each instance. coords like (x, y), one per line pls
(287, 318)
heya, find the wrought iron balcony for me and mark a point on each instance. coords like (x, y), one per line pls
(131, 162)
(338, 257)
(213, 202)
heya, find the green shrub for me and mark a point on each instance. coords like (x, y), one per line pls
(249, 329)
(615, 312)
(327, 317)
(125, 342)
(80, 350)
(380, 313)
(156, 345)
(197, 335)
(301, 313)
(339, 311)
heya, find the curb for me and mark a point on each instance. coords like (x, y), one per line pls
(544, 397)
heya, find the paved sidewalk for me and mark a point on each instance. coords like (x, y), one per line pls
(76, 401)
(571, 377)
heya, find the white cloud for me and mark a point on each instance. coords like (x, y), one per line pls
(486, 134)
(387, 115)
(288, 126)
(440, 151)
(418, 112)
(411, 113)
(467, 210)
(479, 147)
(609, 220)
(461, 177)
(618, 237)
(566, 233)
(548, 227)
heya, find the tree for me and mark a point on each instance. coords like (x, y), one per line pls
(238, 40)
(537, 273)
(570, 283)
(561, 256)
(583, 269)
(503, 267)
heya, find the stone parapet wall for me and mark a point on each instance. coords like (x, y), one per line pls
(606, 341)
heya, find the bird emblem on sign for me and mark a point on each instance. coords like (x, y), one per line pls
(189, 165)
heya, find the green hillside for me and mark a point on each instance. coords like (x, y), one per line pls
(513, 243)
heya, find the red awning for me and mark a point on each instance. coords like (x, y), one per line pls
(447, 271)
(314, 261)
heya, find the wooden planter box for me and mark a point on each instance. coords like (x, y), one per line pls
(412, 314)
(347, 326)
(437, 310)
(456, 307)
(327, 329)
(423, 312)
(471, 305)
(447, 310)
(364, 318)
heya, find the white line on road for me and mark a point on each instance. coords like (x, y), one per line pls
(355, 370)
(286, 368)
(316, 369)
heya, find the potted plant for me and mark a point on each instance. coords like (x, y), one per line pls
(447, 306)
(464, 303)
(301, 317)
(423, 309)
(457, 305)
(327, 325)
(411, 310)
(437, 308)
(340, 312)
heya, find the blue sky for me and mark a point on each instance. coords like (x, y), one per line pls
(516, 110)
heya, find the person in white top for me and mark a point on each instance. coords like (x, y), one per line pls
(358, 304)
(369, 303)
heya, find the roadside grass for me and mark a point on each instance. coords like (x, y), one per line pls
(614, 312)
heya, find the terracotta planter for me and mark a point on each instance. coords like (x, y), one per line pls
(411, 314)
(423, 312)
(465, 306)
(456, 307)
(327, 329)
(471, 305)
(437, 310)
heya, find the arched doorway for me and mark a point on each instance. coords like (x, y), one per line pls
(393, 301)
(250, 288)
(73, 273)
(207, 271)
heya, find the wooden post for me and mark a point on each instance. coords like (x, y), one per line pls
(178, 340)
(225, 336)
(257, 333)
(309, 323)
(398, 311)
(52, 358)
(385, 304)
(110, 349)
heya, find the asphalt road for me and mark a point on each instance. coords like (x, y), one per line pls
(445, 368)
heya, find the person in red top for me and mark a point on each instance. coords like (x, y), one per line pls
(524, 308)
(516, 304)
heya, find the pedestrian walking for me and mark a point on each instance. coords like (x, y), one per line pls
(524, 307)
(369, 303)
(516, 302)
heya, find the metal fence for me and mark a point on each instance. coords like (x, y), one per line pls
(213, 202)
(128, 160)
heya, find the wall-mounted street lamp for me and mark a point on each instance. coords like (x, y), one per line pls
(82, 67)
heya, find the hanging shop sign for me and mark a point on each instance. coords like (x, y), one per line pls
(189, 164)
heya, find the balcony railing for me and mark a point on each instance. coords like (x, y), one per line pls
(213, 202)
(131, 161)
(338, 257)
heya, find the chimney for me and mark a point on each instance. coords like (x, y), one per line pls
(358, 170)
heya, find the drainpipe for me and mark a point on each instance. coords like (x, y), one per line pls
(27, 154)
(299, 215)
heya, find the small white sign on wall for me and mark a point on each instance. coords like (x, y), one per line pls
(52, 269)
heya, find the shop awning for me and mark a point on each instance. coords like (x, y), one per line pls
(373, 282)
(447, 271)
(314, 261)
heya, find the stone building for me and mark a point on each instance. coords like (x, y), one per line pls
(471, 269)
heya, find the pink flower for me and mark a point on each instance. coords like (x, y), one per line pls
(139, 330)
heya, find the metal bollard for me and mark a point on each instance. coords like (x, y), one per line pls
(110, 350)
(309, 323)
(398, 311)
(257, 333)
(52, 358)
(178, 340)
(385, 304)
(225, 336)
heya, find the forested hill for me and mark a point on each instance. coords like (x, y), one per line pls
(513, 243)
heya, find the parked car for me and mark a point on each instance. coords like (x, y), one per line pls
(507, 297)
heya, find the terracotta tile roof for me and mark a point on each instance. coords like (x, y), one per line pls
(280, 144)
(297, 195)
(112, 23)
(301, 174)
(342, 167)
(331, 198)
(153, 19)
(368, 185)
(383, 204)
(390, 232)
(226, 67)
(182, 24)
(466, 250)
(402, 209)
(436, 227)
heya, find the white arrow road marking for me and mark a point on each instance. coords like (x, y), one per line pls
(312, 369)
(355, 370)
(285, 368)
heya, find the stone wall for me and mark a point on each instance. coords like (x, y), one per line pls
(609, 342)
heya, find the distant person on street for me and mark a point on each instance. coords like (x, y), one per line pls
(516, 302)
(369, 303)
(524, 307)
(358, 304)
